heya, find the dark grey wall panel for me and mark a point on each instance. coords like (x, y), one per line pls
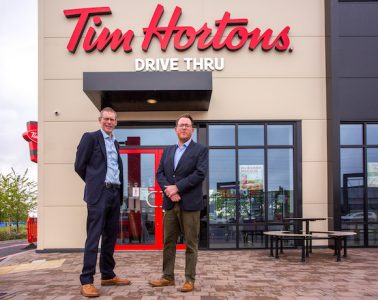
(352, 80)
(356, 19)
(358, 99)
(357, 56)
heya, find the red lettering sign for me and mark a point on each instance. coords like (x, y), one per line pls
(183, 36)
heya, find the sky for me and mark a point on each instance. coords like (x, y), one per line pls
(18, 83)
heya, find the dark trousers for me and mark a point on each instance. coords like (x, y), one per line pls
(102, 221)
(177, 221)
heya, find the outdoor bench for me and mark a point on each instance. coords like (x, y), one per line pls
(340, 238)
(279, 236)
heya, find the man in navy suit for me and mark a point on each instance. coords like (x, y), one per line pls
(182, 169)
(99, 164)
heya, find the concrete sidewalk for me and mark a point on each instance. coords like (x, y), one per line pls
(247, 274)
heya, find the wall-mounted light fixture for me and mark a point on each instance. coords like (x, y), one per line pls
(151, 101)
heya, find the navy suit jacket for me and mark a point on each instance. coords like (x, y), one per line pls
(91, 165)
(188, 176)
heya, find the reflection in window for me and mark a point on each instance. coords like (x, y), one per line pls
(359, 182)
(251, 135)
(372, 183)
(351, 134)
(222, 236)
(148, 136)
(280, 135)
(352, 183)
(251, 185)
(281, 184)
(221, 135)
(372, 134)
(222, 191)
(137, 219)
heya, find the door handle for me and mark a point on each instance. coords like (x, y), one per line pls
(148, 199)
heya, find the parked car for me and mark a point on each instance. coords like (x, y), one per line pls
(359, 216)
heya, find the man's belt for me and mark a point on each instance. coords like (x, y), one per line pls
(113, 186)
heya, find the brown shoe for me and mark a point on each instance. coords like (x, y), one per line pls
(89, 290)
(115, 281)
(187, 287)
(161, 282)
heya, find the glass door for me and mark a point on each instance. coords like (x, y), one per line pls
(141, 217)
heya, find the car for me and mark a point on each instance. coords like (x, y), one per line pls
(359, 216)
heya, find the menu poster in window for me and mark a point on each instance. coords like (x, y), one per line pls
(251, 177)
(372, 174)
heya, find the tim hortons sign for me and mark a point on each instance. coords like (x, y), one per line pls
(230, 33)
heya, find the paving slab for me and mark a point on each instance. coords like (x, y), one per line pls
(245, 274)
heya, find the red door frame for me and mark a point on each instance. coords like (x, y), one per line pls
(158, 152)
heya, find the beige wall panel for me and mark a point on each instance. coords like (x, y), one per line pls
(62, 138)
(63, 187)
(126, 15)
(316, 211)
(292, 98)
(68, 99)
(254, 99)
(314, 183)
(263, 98)
(66, 227)
(306, 18)
(307, 60)
(314, 140)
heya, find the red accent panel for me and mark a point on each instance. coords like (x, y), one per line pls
(158, 211)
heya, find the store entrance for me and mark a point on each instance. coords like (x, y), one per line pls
(141, 218)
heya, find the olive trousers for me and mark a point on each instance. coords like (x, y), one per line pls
(176, 222)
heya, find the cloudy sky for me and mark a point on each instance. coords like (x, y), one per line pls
(18, 83)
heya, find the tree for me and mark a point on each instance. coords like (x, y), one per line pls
(18, 197)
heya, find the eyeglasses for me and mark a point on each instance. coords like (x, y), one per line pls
(108, 119)
(184, 126)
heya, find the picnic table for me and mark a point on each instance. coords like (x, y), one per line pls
(279, 236)
(307, 222)
(340, 238)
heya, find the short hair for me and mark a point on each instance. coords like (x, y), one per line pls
(108, 109)
(188, 116)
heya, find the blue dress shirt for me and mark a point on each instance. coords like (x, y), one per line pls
(180, 151)
(112, 172)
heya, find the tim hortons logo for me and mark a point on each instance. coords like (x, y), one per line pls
(183, 37)
(31, 136)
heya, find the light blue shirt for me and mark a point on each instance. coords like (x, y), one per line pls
(112, 172)
(180, 151)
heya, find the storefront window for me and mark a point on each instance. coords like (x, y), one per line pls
(372, 184)
(359, 182)
(280, 135)
(372, 134)
(250, 181)
(351, 134)
(221, 135)
(222, 198)
(281, 185)
(251, 135)
(222, 190)
(251, 185)
(351, 182)
(241, 204)
(148, 136)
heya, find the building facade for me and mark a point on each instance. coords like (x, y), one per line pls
(270, 85)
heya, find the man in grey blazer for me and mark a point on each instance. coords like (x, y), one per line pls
(182, 170)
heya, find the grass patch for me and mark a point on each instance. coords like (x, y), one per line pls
(13, 235)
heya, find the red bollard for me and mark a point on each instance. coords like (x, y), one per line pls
(31, 227)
